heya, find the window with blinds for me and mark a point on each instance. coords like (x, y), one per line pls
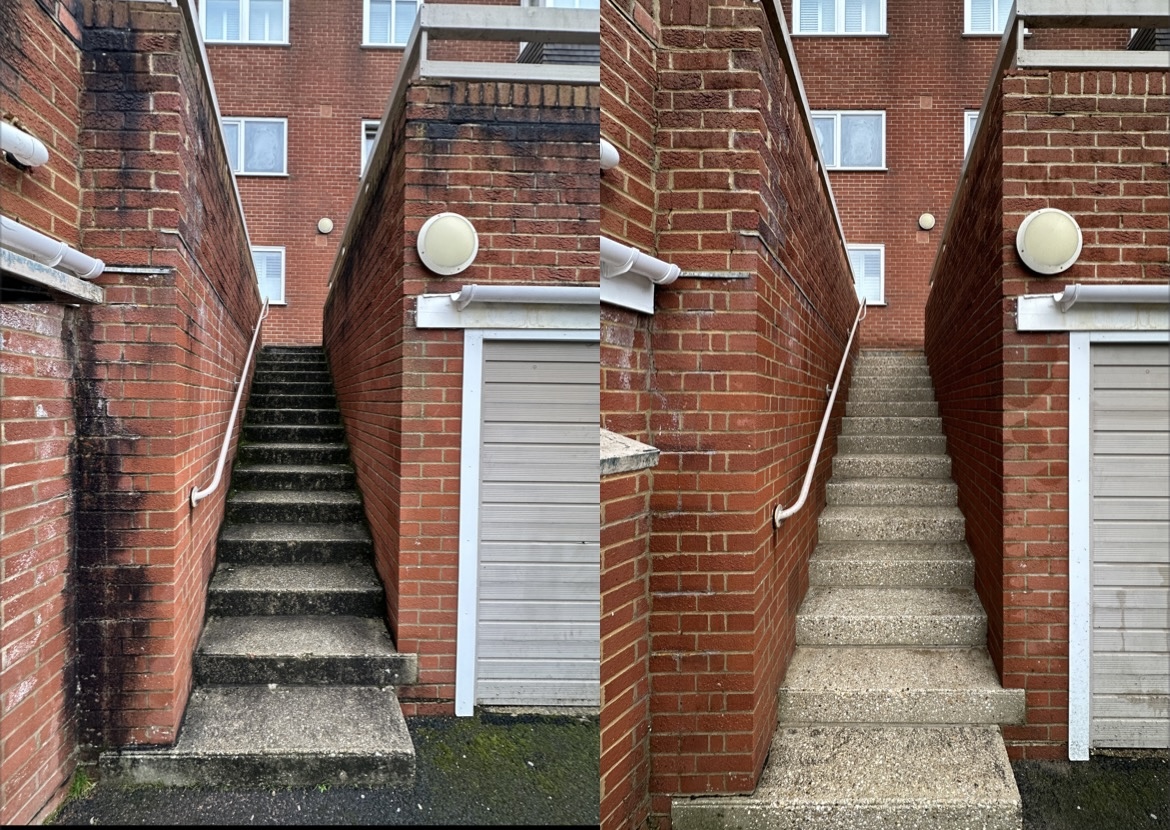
(986, 17)
(256, 146)
(838, 17)
(970, 119)
(269, 264)
(851, 140)
(869, 265)
(369, 133)
(388, 22)
(244, 21)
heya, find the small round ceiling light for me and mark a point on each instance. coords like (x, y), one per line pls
(1049, 241)
(926, 221)
(325, 225)
(447, 243)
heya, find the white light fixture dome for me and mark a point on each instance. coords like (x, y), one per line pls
(447, 243)
(1049, 241)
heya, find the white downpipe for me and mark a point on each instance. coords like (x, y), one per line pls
(610, 157)
(46, 250)
(1078, 293)
(563, 294)
(198, 495)
(780, 514)
(29, 151)
(618, 259)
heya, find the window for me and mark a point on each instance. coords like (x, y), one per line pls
(369, 133)
(569, 4)
(985, 17)
(388, 22)
(869, 269)
(269, 264)
(970, 119)
(244, 21)
(256, 146)
(839, 17)
(851, 140)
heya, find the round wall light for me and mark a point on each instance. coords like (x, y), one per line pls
(325, 225)
(926, 221)
(1049, 241)
(447, 243)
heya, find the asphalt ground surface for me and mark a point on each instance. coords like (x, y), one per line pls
(490, 769)
(1121, 791)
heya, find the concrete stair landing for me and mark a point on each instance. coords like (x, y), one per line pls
(295, 666)
(890, 710)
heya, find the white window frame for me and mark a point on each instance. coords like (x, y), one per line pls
(881, 249)
(245, 11)
(970, 122)
(366, 126)
(242, 122)
(268, 249)
(970, 32)
(366, 26)
(796, 30)
(836, 114)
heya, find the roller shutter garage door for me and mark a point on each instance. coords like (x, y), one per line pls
(539, 573)
(1130, 545)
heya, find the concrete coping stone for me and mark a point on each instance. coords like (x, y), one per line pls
(620, 454)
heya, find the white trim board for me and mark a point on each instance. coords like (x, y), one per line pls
(1040, 312)
(469, 471)
(436, 311)
(1080, 599)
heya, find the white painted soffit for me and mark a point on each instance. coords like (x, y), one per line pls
(1096, 308)
(512, 307)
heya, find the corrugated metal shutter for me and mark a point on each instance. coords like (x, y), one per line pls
(538, 627)
(1130, 488)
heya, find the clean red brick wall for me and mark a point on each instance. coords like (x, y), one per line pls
(733, 374)
(520, 161)
(625, 643)
(1094, 144)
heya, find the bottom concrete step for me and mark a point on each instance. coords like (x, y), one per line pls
(858, 778)
(287, 736)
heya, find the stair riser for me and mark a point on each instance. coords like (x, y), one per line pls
(904, 706)
(264, 387)
(892, 529)
(916, 369)
(918, 409)
(878, 394)
(283, 402)
(890, 466)
(307, 454)
(892, 574)
(895, 381)
(309, 513)
(244, 478)
(304, 670)
(268, 604)
(292, 553)
(263, 368)
(218, 771)
(289, 417)
(294, 434)
(921, 631)
(892, 444)
(891, 426)
(294, 376)
(861, 492)
(720, 814)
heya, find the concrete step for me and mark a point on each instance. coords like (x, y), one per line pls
(858, 684)
(239, 590)
(921, 617)
(890, 426)
(301, 650)
(893, 491)
(862, 409)
(880, 392)
(294, 477)
(282, 402)
(891, 382)
(264, 387)
(288, 415)
(294, 433)
(856, 778)
(892, 564)
(272, 374)
(285, 506)
(892, 445)
(891, 524)
(269, 452)
(890, 465)
(292, 736)
(271, 544)
(894, 356)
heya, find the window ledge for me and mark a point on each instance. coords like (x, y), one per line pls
(247, 42)
(840, 34)
(262, 175)
(858, 169)
(395, 46)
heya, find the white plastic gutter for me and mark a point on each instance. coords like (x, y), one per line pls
(564, 294)
(46, 250)
(1078, 293)
(618, 259)
(609, 155)
(29, 151)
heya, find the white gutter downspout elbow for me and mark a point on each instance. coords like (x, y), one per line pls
(28, 151)
(609, 155)
(618, 259)
(1075, 293)
(46, 250)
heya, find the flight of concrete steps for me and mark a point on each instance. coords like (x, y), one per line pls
(889, 711)
(294, 668)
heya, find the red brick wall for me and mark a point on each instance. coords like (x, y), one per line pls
(520, 161)
(625, 641)
(1093, 144)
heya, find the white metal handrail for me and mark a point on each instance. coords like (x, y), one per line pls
(780, 514)
(197, 495)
